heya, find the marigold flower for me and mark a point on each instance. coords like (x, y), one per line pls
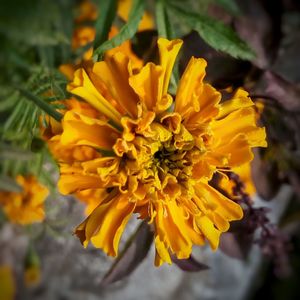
(32, 268)
(87, 11)
(72, 153)
(32, 276)
(124, 6)
(25, 207)
(158, 152)
(7, 283)
(83, 34)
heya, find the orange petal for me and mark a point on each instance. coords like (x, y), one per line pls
(106, 224)
(115, 72)
(82, 130)
(83, 87)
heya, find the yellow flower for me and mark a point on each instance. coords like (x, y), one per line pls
(124, 6)
(73, 153)
(32, 268)
(83, 34)
(25, 207)
(81, 37)
(244, 172)
(87, 11)
(158, 152)
(32, 276)
(52, 134)
(7, 284)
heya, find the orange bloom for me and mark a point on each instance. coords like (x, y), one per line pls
(158, 152)
(25, 207)
(7, 284)
(83, 35)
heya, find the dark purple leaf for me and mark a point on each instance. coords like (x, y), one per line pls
(280, 90)
(135, 251)
(259, 25)
(190, 264)
(265, 176)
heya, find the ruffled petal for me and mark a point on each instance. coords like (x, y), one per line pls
(227, 129)
(106, 224)
(238, 101)
(148, 85)
(71, 183)
(81, 130)
(209, 231)
(83, 87)
(190, 87)
(168, 51)
(115, 72)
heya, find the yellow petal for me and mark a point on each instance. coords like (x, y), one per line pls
(84, 88)
(115, 72)
(148, 84)
(190, 87)
(245, 175)
(92, 198)
(168, 51)
(82, 130)
(106, 224)
(208, 100)
(170, 227)
(70, 183)
(209, 231)
(239, 100)
(224, 206)
(162, 253)
(241, 121)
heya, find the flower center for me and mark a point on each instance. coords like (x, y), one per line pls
(158, 156)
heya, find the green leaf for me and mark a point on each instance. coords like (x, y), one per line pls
(105, 19)
(126, 32)
(164, 26)
(8, 184)
(165, 29)
(216, 34)
(11, 152)
(7, 101)
(230, 6)
(41, 104)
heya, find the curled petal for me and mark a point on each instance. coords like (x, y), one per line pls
(106, 224)
(115, 72)
(83, 87)
(148, 85)
(81, 130)
(168, 51)
(190, 87)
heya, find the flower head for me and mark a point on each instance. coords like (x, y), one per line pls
(25, 207)
(85, 34)
(157, 153)
(7, 283)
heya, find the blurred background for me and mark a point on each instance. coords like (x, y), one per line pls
(259, 257)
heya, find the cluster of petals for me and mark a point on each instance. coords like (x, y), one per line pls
(153, 154)
(25, 207)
